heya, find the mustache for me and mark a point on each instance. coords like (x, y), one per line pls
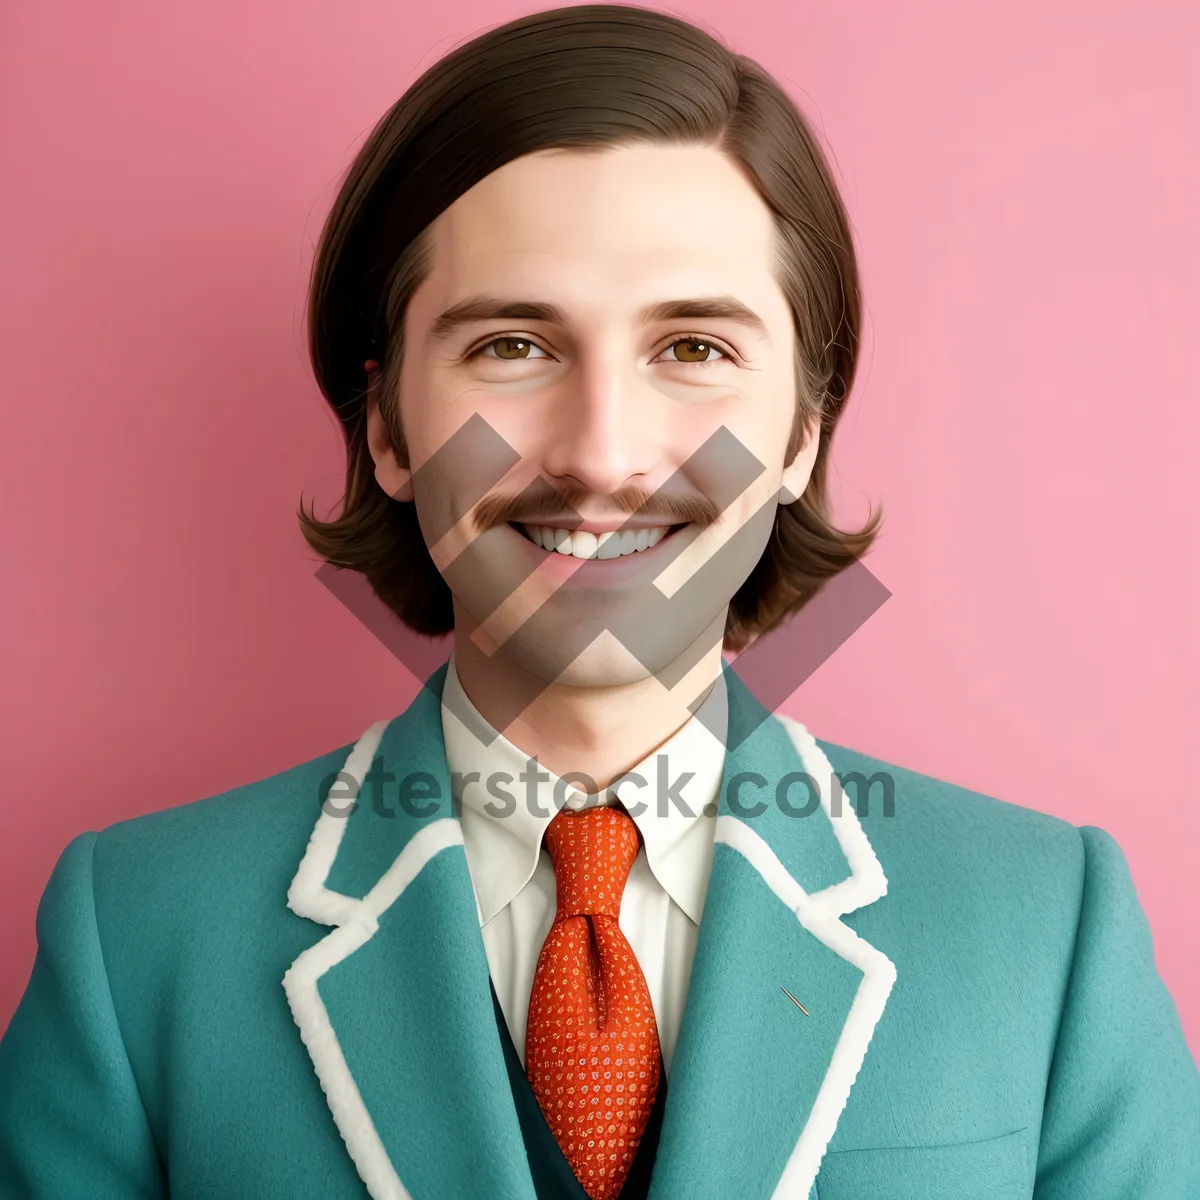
(558, 501)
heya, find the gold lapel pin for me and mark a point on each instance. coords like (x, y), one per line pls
(794, 1000)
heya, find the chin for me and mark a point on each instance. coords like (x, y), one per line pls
(605, 669)
(606, 663)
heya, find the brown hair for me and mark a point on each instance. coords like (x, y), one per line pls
(596, 75)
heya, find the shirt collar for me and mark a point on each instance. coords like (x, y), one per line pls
(504, 810)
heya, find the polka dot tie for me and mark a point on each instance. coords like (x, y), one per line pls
(591, 1046)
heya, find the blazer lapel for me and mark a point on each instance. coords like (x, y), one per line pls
(757, 1087)
(394, 1005)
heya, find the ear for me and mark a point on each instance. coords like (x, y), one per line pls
(798, 472)
(395, 479)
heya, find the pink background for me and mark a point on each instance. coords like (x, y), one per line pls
(1023, 181)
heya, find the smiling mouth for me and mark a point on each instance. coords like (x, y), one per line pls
(582, 544)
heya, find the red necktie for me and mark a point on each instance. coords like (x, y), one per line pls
(591, 1045)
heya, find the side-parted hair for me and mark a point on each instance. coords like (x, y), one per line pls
(586, 77)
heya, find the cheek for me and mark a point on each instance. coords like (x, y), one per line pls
(760, 427)
(430, 415)
(500, 428)
(459, 450)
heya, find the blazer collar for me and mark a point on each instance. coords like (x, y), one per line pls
(395, 1010)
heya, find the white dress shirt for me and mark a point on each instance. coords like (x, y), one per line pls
(514, 880)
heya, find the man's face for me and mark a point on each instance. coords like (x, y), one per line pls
(626, 338)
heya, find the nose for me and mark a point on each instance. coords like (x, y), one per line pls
(607, 426)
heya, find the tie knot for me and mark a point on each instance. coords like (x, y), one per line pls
(592, 852)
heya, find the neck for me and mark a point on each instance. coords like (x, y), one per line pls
(599, 729)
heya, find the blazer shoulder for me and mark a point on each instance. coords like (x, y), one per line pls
(992, 887)
(217, 847)
(917, 820)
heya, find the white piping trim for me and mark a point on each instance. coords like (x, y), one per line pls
(879, 974)
(866, 882)
(345, 1101)
(357, 922)
(308, 896)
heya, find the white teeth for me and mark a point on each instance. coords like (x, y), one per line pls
(582, 544)
(610, 545)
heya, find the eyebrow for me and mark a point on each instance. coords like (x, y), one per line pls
(489, 308)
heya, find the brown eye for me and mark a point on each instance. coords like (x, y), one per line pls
(693, 350)
(510, 348)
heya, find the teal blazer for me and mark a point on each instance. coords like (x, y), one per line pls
(264, 995)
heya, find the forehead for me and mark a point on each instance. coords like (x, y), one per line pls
(628, 221)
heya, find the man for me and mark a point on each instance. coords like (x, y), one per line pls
(585, 920)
